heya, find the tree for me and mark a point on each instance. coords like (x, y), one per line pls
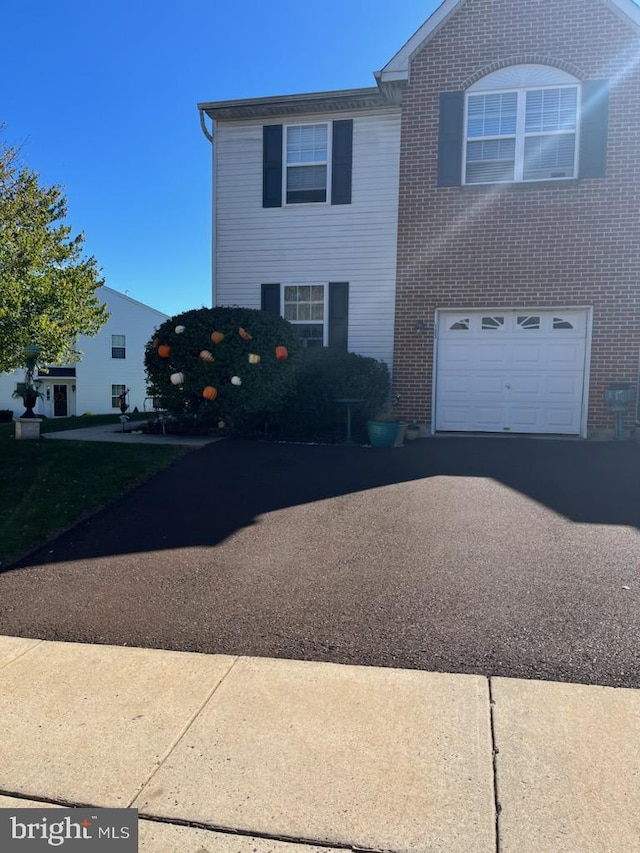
(47, 289)
(234, 364)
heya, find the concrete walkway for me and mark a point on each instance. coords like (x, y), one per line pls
(114, 433)
(256, 755)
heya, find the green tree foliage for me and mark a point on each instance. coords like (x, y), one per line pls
(47, 289)
(251, 383)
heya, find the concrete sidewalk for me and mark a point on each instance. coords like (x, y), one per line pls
(256, 755)
(113, 433)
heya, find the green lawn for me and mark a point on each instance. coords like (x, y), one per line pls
(45, 486)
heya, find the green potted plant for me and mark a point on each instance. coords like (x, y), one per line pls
(29, 395)
(412, 431)
(382, 429)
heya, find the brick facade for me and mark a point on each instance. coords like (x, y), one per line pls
(567, 243)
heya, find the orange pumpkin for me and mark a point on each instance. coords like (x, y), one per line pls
(164, 351)
(282, 353)
(244, 334)
(210, 393)
(205, 355)
(217, 337)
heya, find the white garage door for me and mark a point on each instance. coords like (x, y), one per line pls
(511, 371)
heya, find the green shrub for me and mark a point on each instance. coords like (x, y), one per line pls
(327, 375)
(248, 394)
(6, 416)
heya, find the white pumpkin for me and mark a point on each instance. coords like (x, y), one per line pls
(177, 378)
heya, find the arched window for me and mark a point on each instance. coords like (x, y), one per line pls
(521, 124)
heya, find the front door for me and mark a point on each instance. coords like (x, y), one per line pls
(60, 409)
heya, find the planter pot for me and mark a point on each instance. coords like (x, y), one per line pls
(382, 433)
(411, 434)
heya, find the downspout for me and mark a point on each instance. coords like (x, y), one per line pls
(209, 135)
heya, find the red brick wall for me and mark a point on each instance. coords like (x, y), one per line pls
(570, 243)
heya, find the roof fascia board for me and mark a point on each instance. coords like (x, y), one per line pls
(398, 67)
(625, 9)
(313, 102)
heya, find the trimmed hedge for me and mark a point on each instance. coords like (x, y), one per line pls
(324, 376)
(259, 388)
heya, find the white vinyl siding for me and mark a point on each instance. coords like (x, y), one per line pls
(312, 244)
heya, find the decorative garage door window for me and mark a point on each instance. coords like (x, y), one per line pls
(528, 322)
(460, 326)
(492, 323)
(542, 322)
(560, 323)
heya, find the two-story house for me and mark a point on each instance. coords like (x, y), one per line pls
(478, 208)
(111, 362)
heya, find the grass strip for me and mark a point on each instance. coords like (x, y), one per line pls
(46, 486)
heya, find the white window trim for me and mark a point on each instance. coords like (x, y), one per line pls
(115, 396)
(115, 346)
(286, 167)
(520, 135)
(325, 321)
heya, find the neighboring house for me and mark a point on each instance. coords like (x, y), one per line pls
(517, 262)
(111, 362)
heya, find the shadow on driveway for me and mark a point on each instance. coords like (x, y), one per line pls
(496, 555)
(208, 495)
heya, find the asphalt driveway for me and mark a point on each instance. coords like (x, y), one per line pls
(505, 556)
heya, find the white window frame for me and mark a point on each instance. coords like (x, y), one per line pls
(286, 166)
(117, 346)
(520, 133)
(325, 310)
(115, 396)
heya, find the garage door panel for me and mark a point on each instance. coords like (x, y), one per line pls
(562, 419)
(456, 418)
(530, 379)
(566, 355)
(457, 354)
(491, 354)
(526, 419)
(568, 386)
(529, 355)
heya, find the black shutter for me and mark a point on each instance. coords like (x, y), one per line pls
(270, 301)
(450, 139)
(339, 314)
(341, 161)
(272, 165)
(594, 121)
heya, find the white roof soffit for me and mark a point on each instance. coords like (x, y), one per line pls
(398, 67)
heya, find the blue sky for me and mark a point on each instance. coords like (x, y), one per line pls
(101, 95)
